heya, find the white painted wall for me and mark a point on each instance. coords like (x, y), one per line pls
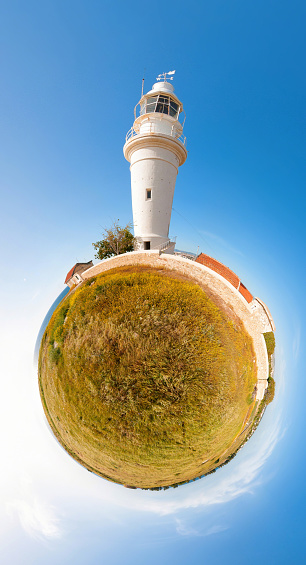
(153, 168)
(155, 153)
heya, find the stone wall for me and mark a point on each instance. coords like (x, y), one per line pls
(253, 315)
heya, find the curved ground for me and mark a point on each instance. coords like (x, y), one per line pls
(144, 379)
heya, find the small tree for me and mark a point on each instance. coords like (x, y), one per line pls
(270, 392)
(116, 240)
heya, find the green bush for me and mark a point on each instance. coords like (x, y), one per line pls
(270, 342)
(54, 354)
(270, 390)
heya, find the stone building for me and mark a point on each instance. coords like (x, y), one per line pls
(74, 276)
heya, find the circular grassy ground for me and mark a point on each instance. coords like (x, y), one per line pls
(144, 379)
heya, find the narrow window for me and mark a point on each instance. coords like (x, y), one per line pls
(151, 104)
(146, 245)
(148, 194)
(173, 109)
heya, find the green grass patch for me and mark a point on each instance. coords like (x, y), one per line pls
(270, 342)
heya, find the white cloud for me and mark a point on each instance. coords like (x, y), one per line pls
(37, 519)
(241, 479)
(184, 530)
(21, 488)
(215, 530)
(31, 449)
(37, 293)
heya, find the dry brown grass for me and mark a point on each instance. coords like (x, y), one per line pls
(144, 378)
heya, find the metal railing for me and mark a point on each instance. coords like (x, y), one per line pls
(163, 246)
(150, 129)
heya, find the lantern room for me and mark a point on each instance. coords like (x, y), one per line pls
(159, 111)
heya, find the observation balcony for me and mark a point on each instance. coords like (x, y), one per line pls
(151, 129)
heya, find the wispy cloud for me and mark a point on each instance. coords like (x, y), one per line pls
(35, 295)
(37, 519)
(241, 480)
(184, 530)
(221, 241)
(215, 530)
(36, 515)
(296, 343)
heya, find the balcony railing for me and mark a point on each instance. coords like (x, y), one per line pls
(151, 130)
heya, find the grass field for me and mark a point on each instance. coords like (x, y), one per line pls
(144, 379)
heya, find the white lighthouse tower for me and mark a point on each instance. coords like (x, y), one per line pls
(155, 147)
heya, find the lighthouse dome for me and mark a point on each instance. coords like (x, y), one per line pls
(162, 87)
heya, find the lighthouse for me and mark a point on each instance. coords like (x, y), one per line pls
(155, 148)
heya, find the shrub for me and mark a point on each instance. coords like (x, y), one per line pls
(270, 390)
(270, 342)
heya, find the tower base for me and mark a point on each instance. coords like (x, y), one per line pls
(153, 243)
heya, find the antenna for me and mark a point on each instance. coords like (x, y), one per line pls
(142, 84)
(166, 76)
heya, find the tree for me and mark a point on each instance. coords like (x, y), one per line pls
(270, 392)
(116, 240)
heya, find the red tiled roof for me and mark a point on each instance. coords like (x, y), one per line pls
(69, 275)
(244, 291)
(226, 273)
(219, 268)
(80, 268)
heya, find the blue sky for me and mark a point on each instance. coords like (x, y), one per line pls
(71, 76)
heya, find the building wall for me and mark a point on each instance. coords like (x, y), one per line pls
(153, 168)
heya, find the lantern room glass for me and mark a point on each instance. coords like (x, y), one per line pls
(160, 104)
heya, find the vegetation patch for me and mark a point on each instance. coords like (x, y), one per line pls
(144, 379)
(270, 343)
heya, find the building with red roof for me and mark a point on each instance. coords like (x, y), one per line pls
(74, 276)
(226, 273)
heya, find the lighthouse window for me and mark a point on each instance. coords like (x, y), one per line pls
(151, 104)
(148, 194)
(161, 104)
(173, 108)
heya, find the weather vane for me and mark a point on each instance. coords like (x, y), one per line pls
(165, 76)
